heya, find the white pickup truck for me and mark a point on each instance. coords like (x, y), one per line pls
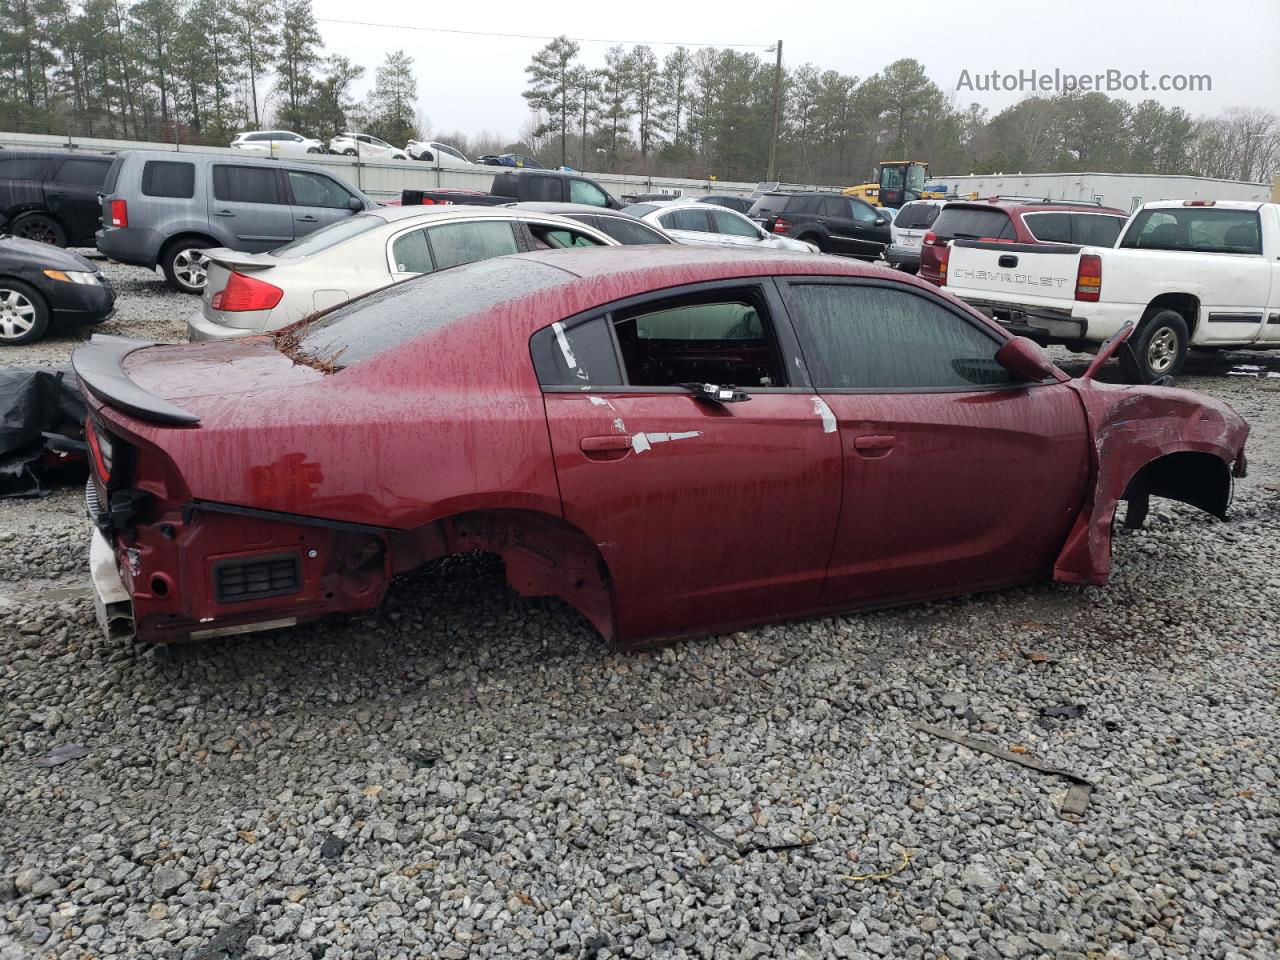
(1195, 273)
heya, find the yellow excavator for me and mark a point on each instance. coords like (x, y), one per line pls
(901, 181)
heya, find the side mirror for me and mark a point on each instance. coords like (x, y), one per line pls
(881, 221)
(355, 204)
(1028, 362)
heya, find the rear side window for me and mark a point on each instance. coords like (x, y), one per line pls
(1049, 227)
(168, 178)
(580, 356)
(625, 231)
(455, 243)
(835, 207)
(236, 184)
(82, 173)
(812, 205)
(879, 339)
(917, 216)
(411, 253)
(770, 204)
(970, 223)
(686, 219)
(21, 168)
(1096, 229)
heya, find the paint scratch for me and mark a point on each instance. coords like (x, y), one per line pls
(828, 418)
(618, 425)
(641, 442)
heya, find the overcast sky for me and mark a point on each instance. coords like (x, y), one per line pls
(473, 83)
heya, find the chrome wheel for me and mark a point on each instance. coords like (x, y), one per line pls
(17, 314)
(1162, 350)
(191, 267)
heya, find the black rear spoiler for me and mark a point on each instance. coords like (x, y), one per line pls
(99, 365)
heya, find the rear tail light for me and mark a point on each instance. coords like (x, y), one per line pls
(102, 449)
(930, 239)
(119, 213)
(243, 293)
(944, 254)
(781, 226)
(1089, 278)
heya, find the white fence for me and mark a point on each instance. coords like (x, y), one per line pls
(384, 179)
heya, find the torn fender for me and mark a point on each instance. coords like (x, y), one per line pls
(1148, 432)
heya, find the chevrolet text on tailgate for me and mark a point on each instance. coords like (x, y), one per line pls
(674, 440)
(1194, 273)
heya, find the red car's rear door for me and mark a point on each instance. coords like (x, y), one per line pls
(707, 514)
(956, 477)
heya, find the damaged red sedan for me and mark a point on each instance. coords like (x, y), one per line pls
(674, 440)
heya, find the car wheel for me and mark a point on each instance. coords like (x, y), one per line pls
(24, 317)
(348, 152)
(314, 150)
(185, 265)
(814, 239)
(37, 226)
(1158, 349)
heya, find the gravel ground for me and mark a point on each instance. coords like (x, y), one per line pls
(468, 774)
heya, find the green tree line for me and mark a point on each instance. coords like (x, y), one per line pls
(711, 112)
(193, 71)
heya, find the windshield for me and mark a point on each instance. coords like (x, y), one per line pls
(394, 315)
(1200, 229)
(329, 236)
(970, 223)
(917, 216)
(915, 178)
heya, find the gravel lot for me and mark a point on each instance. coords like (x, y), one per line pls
(469, 774)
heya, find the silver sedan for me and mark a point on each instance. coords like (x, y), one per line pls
(687, 221)
(252, 293)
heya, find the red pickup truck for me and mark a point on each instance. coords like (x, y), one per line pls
(1016, 220)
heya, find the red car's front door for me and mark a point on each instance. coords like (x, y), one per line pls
(708, 514)
(956, 477)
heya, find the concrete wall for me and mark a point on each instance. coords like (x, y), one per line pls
(1123, 190)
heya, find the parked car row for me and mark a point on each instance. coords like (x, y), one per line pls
(286, 143)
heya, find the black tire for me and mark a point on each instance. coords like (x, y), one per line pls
(348, 152)
(815, 239)
(24, 316)
(184, 268)
(39, 227)
(314, 150)
(1158, 348)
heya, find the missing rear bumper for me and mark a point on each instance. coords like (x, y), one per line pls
(111, 601)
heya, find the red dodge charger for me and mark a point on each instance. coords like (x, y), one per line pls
(674, 440)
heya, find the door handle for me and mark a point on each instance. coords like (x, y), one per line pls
(874, 445)
(224, 213)
(1007, 260)
(306, 219)
(614, 441)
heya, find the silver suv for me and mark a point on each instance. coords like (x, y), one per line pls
(165, 209)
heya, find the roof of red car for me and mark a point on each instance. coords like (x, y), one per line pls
(1032, 206)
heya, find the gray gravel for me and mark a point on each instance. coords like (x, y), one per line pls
(468, 774)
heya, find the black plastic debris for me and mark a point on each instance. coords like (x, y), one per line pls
(331, 848)
(42, 414)
(229, 943)
(1063, 711)
(64, 754)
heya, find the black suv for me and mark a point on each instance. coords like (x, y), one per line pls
(832, 222)
(51, 196)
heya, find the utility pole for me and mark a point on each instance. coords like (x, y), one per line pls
(777, 114)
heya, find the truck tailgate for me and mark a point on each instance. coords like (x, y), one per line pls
(1041, 275)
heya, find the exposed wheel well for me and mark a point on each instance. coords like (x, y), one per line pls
(189, 235)
(1200, 479)
(1182, 303)
(543, 556)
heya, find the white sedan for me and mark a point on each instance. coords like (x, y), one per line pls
(687, 221)
(276, 143)
(363, 145)
(440, 154)
(252, 293)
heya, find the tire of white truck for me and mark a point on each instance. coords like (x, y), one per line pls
(1158, 348)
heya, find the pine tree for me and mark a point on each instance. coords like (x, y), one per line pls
(299, 56)
(550, 91)
(255, 43)
(644, 79)
(394, 99)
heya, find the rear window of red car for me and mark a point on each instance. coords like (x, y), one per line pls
(973, 223)
(391, 316)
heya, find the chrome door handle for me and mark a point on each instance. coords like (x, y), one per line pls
(224, 213)
(307, 219)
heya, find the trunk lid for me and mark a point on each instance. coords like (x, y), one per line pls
(1018, 273)
(176, 384)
